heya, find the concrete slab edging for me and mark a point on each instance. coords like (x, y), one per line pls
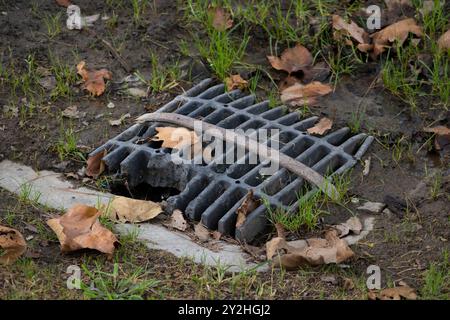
(51, 189)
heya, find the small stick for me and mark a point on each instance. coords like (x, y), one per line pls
(113, 51)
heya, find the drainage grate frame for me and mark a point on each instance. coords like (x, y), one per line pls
(212, 192)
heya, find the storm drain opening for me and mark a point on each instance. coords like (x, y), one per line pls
(212, 190)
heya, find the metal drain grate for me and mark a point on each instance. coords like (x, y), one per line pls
(212, 192)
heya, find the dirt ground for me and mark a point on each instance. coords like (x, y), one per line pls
(406, 172)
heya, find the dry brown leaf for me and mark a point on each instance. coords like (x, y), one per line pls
(316, 252)
(353, 225)
(63, 3)
(444, 41)
(202, 232)
(281, 232)
(398, 293)
(348, 284)
(351, 29)
(126, 209)
(249, 204)
(365, 47)
(216, 235)
(398, 31)
(292, 59)
(321, 127)
(236, 82)
(439, 130)
(94, 80)
(95, 164)
(80, 228)
(221, 18)
(177, 220)
(442, 138)
(287, 82)
(276, 246)
(175, 138)
(12, 245)
(299, 94)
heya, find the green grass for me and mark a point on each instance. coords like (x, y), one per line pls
(162, 77)
(221, 52)
(139, 7)
(65, 77)
(27, 194)
(53, 24)
(306, 216)
(437, 280)
(119, 284)
(67, 147)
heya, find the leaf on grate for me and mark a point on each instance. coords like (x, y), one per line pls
(94, 80)
(175, 138)
(316, 252)
(80, 228)
(293, 59)
(221, 18)
(249, 204)
(63, 3)
(177, 220)
(202, 232)
(235, 82)
(300, 95)
(12, 245)
(398, 31)
(442, 138)
(396, 293)
(321, 127)
(125, 209)
(350, 29)
(444, 41)
(95, 164)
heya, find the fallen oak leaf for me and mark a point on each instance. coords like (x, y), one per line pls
(221, 19)
(351, 29)
(353, 225)
(94, 80)
(321, 127)
(12, 245)
(397, 293)
(73, 113)
(299, 94)
(398, 31)
(249, 204)
(444, 41)
(175, 138)
(235, 82)
(442, 138)
(313, 252)
(63, 3)
(293, 59)
(125, 209)
(202, 232)
(177, 220)
(95, 164)
(79, 228)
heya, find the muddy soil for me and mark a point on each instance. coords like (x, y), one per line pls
(404, 242)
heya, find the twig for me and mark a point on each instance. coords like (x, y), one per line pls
(113, 51)
(230, 136)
